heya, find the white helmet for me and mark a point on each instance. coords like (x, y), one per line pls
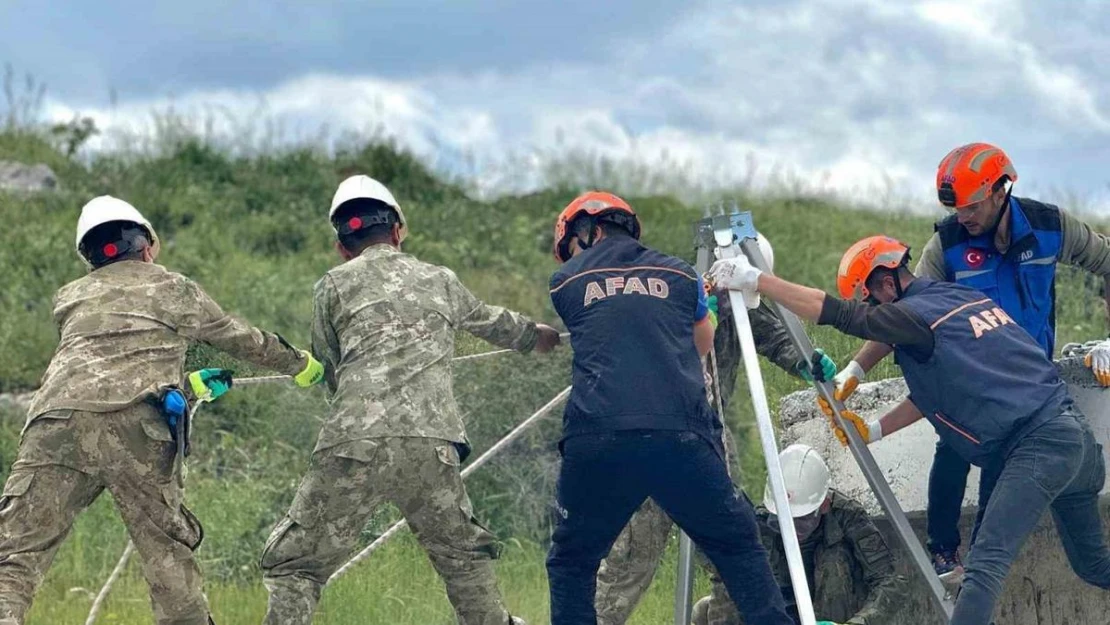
(365, 187)
(807, 481)
(105, 208)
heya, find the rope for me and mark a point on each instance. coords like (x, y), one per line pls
(497, 352)
(285, 378)
(472, 467)
(116, 572)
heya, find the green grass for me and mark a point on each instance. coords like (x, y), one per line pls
(397, 585)
(253, 231)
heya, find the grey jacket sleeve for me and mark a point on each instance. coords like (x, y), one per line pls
(931, 263)
(1084, 247)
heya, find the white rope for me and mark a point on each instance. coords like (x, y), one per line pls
(470, 468)
(496, 352)
(285, 378)
(116, 572)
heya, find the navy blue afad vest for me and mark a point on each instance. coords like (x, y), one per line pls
(630, 311)
(1023, 280)
(986, 384)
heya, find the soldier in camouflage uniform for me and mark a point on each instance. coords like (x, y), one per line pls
(627, 571)
(850, 569)
(95, 424)
(384, 327)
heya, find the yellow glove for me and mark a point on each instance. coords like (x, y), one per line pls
(869, 432)
(312, 374)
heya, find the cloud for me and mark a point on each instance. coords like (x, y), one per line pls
(856, 96)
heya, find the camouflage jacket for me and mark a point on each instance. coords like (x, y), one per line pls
(124, 330)
(771, 341)
(384, 326)
(853, 571)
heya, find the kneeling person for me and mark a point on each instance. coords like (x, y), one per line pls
(849, 567)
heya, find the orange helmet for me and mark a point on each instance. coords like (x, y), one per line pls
(863, 258)
(969, 173)
(594, 204)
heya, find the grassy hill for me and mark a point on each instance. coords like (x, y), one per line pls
(253, 232)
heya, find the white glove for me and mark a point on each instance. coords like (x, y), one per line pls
(847, 379)
(737, 274)
(1098, 359)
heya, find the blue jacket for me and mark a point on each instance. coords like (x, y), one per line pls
(631, 312)
(986, 383)
(1023, 280)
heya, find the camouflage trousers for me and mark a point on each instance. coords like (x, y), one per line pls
(343, 487)
(627, 571)
(66, 459)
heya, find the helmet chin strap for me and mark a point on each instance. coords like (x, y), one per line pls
(1002, 209)
(589, 242)
(898, 290)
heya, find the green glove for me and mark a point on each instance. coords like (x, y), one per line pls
(714, 312)
(210, 384)
(312, 374)
(823, 366)
(827, 623)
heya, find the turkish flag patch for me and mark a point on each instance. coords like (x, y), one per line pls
(974, 258)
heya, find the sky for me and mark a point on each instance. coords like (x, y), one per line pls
(861, 97)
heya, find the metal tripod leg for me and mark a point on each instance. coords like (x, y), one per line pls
(684, 585)
(724, 236)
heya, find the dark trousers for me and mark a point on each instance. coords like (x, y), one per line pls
(1057, 467)
(604, 479)
(947, 483)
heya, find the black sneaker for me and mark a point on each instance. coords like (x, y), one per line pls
(949, 568)
(946, 561)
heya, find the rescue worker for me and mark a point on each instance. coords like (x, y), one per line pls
(637, 423)
(988, 389)
(95, 423)
(384, 326)
(850, 569)
(1008, 248)
(627, 571)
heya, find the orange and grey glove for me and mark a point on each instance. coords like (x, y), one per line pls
(1098, 359)
(870, 432)
(312, 374)
(846, 380)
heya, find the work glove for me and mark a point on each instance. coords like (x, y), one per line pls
(869, 432)
(823, 367)
(846, 382)
(827, 623)
(711, 300)
(312, 374)
(737, 274)
(209, 384)
(1098, 359)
